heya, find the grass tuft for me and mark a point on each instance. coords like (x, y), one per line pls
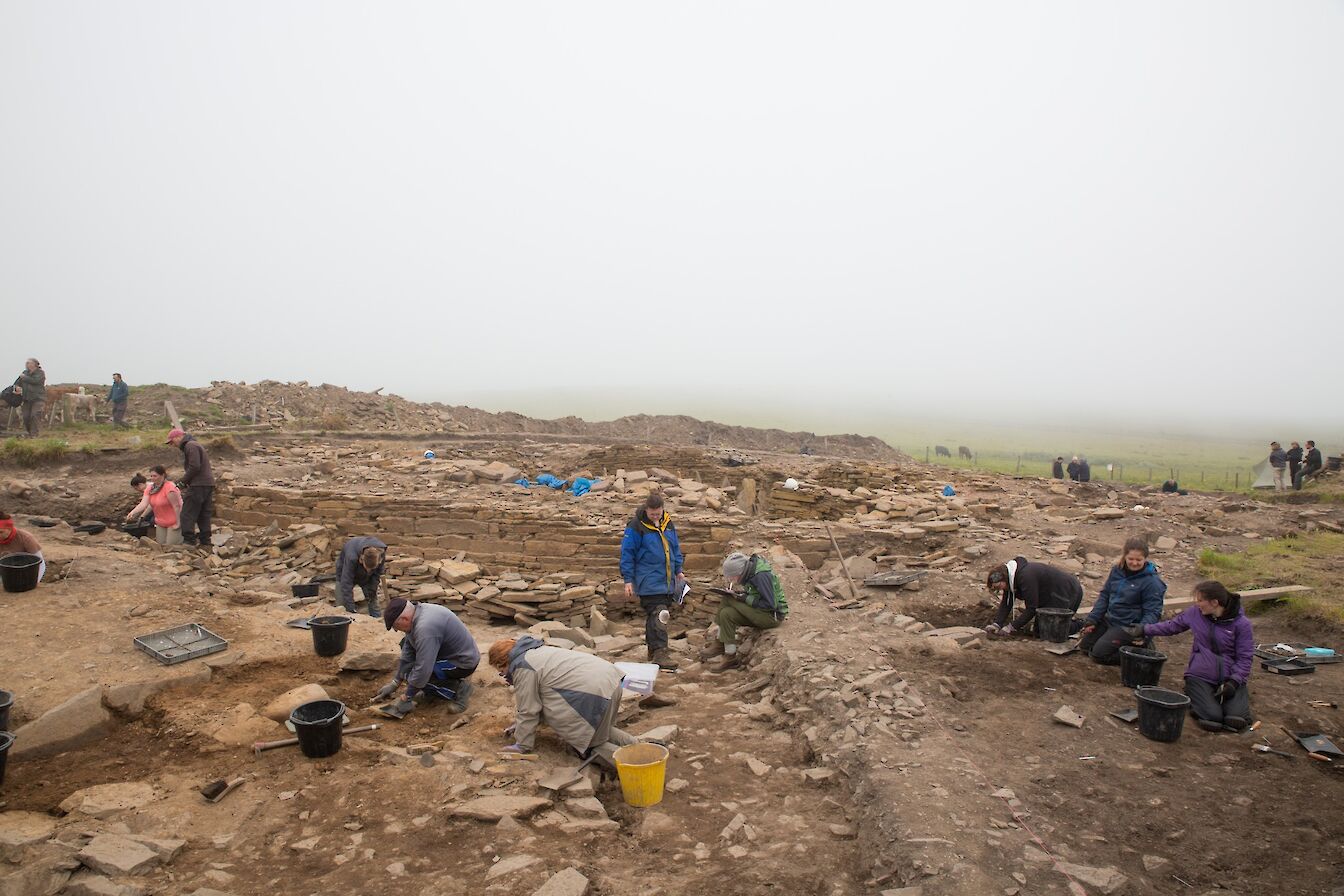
(32, 452)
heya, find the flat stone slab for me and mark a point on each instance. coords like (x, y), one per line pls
(278, 710)
(1108, 513)
(493, 808)
(510, 865)
(567, 883)
(85, 884)
(80, 720)
(103, 800)
(22, 829)
(1066, 716)
(368, 661)
(115, 854)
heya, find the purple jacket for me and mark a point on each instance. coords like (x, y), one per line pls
(1235, 645)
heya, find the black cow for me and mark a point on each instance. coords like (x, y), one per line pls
(963, 451)
(941, 451)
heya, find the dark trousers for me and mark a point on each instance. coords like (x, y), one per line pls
(655, 634)
(119, 413)
(1204, 705)
(370, 589)
(1299, 477)
(32, 417)
(197, 509)
(446, 682)
(1103, 643)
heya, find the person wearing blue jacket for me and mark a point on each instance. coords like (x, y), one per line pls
(1132, 596)
(651, 568)
(118, 396)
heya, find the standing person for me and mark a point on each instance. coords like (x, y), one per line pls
(1311, 465)
(32, 385)
(578, 695)
(16, 541)
(438, 655)
(1036, 585)
(1278, 459)
(651, 567)
(362, 561)
(761, 605)
(165, 501)
(1221, 656)
(1057, 471)
(1074, 468)
(119, 395)
(1084, 470)
(199, 482)
(1131, 596)
(1294, 460)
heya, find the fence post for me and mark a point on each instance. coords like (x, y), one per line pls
(926, 454)
(1237, 484)
(1019, 464)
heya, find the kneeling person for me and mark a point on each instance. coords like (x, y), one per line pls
(762, 604)
(438, 655)
(577, 694)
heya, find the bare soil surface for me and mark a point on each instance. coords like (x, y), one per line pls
(862, 757)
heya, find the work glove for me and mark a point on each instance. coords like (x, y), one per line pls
(991, 629)
(386, 691)
(404, 705)
(1087, 630)
(1007, 630)
(1134, 631)
(1225, 690)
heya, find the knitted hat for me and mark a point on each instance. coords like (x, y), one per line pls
(735, 564)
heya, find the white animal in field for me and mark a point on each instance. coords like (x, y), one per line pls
(69, 404)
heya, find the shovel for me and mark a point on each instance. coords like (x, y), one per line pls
(566, 777)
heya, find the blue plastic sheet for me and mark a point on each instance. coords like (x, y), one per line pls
(582, 485)
(550, 481)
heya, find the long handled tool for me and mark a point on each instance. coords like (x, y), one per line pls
(1266, 748)
(262, 746)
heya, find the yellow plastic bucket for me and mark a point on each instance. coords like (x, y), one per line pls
(641, 768)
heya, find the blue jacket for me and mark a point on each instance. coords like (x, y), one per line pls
(1130, 598)
(650, 554)
(119, 392)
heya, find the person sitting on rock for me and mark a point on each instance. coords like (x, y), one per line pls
(1037, 586)
(1132, 596)
(438, 655)
(1221, 656)
(578, 695)
(361, 562)
(14, 540)
(761, 605)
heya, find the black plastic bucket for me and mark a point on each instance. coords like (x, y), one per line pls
(138, 530)
(18, 572)
(6, 739)
(308, 589)
(1052, 624)
(318, 727)
(1161, 713)
(6, 703)
(1140, 667)
(330, 634)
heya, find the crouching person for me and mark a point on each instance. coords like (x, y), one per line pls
(576, 694)
(1037, 586)
(1132, 596)
(362, 562)
(438, 655)
(1220, 656)
(760, 604)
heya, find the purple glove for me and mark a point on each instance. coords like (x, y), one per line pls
(1006, 630)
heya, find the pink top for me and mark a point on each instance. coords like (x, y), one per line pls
(164, 514)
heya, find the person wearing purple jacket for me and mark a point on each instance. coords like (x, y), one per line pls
(1220, 657)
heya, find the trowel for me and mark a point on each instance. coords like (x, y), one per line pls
(390, 710)
(217, 790)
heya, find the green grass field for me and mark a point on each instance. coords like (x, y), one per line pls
(1212, 464)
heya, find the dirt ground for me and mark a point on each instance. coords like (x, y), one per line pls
(854, 786)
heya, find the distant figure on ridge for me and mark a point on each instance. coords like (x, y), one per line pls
(1311, 465)
(32, 386)
(1074, 468)
(1278, 460)
(118, 396)
(1294, 453)
(1084, 470)
(1057, 471)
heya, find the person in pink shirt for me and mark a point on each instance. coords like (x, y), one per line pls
(163, 498)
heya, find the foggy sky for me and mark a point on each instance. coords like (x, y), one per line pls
(1064, 210)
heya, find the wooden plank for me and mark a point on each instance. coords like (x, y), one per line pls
(172, 414)
(1246, 596)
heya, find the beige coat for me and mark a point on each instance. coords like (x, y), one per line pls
(575, 693)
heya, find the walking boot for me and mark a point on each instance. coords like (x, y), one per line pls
(664, 660)
(730, 661)
(712, 649)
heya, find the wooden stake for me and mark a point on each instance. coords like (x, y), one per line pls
(853, 592)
